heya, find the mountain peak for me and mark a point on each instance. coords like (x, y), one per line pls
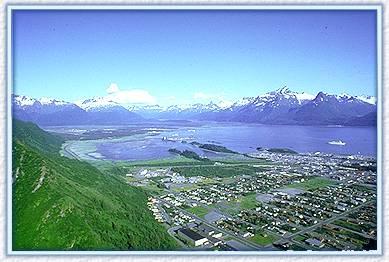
(23, 100)
(321, 96)
(368, 99)
(51, 101)
(97, 103)
(283, 90)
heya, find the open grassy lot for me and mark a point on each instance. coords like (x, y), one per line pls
(234, 207)
(217, 171)
(300, 238)
(313, 183)
(198, 211)
(248, 202)
(170, 161)
(263, 239)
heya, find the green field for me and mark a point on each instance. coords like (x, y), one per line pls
(313, 183)
(300, 238)
(198, 211)
(235, 206)
(248, 201)
(170, 161)
(263, 239)
(218, 171)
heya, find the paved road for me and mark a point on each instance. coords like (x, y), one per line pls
(65, 148)
(172, 234)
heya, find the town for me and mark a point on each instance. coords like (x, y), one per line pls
(267, 201)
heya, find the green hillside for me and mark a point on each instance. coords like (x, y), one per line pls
(31, 135)
(65, 204)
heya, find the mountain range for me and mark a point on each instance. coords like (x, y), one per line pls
(280, 107)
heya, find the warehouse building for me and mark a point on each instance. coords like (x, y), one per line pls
(192, 237)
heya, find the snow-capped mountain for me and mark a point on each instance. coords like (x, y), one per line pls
(284, 106)
(104, 111)
(281, 106)
(146, 111)
(187, 111)
(99, 104)
(272, 106)
(368, 99)
(196, 108)
(274, 99)
(23, 101)
(243, 102)
(183, 111)
(138, 108)
(46, 111)
(53, 102)
(332, 109)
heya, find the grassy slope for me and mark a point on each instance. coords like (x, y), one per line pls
(76, 206)
(30, 134)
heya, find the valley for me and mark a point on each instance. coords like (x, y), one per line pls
(185, 183)
(163, 130)
(247, 196)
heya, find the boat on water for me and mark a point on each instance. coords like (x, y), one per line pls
(337, 143)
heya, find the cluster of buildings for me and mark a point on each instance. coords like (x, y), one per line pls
(245, 184)
(340, 215)
(165, 211)
(285, 214)
(168, 177)
(361, 169)
(153, 205)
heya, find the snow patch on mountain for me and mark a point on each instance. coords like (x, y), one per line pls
(97, 103)
(224, 104)
(286, 93)
(49, 101)
(23, 100)
(139, 108)
(274, 99)
(244, 101)
(301, 97)
(368, 99)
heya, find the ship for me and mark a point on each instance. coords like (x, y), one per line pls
(337, 143)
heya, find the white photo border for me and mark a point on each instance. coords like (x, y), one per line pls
(379, 91)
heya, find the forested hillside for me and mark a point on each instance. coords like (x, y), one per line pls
(65, 204)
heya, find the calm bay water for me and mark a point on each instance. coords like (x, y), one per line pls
(243, 138)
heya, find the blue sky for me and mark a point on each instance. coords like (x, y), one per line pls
(192, 56)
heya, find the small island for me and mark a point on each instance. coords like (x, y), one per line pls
(217, 148)
(214, 148)
(188, 154)
(277, 150)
